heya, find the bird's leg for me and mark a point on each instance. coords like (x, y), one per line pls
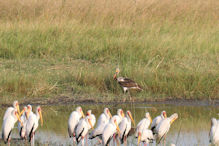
(114, 140)
(117, 141)
(164, 140)
(9, 141)
(99, 141)
(82, 141)
(86, 140)
(125, 143)
(130, 97)
(74, 141)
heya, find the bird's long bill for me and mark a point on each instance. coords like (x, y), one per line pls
(150, 119)
(18, 109)
(123, 115)
(82, 113)
(132, 119)
(139, 138)
(21, 112)
(18, 117)
(41, 118)
(114, 77)
(117, 128)
(109, 114)
(173, 120)
(165, 115)
(90, 124)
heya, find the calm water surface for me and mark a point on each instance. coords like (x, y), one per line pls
(190, 129)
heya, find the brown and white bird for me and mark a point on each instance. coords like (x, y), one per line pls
(126, 83)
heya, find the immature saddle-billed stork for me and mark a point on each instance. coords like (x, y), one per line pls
(126, 83)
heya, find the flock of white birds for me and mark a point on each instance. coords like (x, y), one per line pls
(81, 127)
(118, 127)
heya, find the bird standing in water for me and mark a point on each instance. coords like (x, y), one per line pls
(214, 132)
(102, 121)
(8, 125)
(32, 124)
(163, 127)
(73, 122)
(125, 127)
(143, 124)
(157, 120)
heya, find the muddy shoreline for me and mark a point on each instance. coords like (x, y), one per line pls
(64, 100)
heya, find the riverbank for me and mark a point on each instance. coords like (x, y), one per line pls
(64, 100)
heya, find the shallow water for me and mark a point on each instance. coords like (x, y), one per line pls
(191, 128)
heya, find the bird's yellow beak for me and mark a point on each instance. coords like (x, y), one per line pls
(90, 124)
(41, 118)
(117, 70)
(150, 119)
(21, 112)
(165, 115)
(18, 117)
(123, 115)
(82, 113)
(117, 128)
(18, 109)
(173, 120)
(114, 77)
(131, 119)
(139, 138)
(109, 114)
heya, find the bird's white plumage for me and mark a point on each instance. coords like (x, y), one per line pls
(102, 121)
(8, 125)
(147, 136)
(22, 128)
(109, 130)
(10, 109)
(157, 120)
(73, 120)
(143, 124)
(214, 132)
(84, 126)
(125, 127)
(163, 127)
(119, 116)
(32, 123)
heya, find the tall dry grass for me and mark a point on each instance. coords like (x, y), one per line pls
(170, 47)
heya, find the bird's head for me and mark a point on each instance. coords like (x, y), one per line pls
(107, 112)
(130, 116)
(115, 75)
(80, 111)
(173, 117)
(89, 112)
(164, 114)
(16, 106)
(148, 116)
(29, 109)
(40, 114)
(120, 113)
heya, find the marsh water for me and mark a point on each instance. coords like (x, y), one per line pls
(191, 128)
